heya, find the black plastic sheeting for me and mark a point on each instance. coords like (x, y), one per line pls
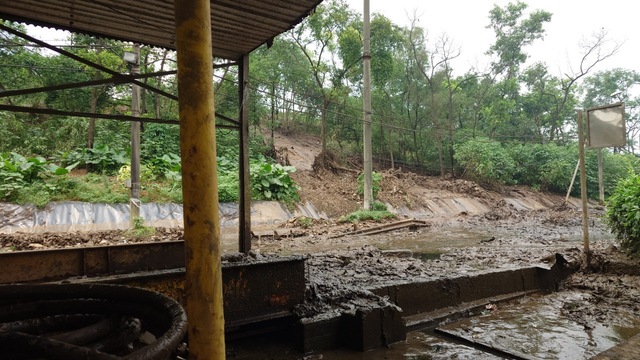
(82, 216)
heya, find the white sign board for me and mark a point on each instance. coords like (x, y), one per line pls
(606, 127)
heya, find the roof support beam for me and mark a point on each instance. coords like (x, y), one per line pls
(245, 190)
(111, 80)
(89, 63)
(33, 110)
(199, 180)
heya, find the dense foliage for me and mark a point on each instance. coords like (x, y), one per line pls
(623, 213)
(512, 123)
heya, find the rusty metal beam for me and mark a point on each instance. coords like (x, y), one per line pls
(50, 265)
(226, 118)
(244, 238)
(111, 80)
(86, 62)
(31, 110)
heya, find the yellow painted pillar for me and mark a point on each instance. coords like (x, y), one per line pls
(199, 180)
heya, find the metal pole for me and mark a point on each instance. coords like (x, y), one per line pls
(600, 177)
(583, 187)
(245, 188)
(203, 284)
(366, 124)
(134, 201)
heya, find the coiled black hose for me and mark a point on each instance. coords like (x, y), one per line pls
(87, 322)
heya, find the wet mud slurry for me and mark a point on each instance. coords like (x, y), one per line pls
(595, 308)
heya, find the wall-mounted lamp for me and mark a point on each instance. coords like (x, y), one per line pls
(130, 58)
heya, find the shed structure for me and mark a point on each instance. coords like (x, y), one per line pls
(198, 30)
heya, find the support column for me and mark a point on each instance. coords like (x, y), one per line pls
(199, 180)
(245, 187)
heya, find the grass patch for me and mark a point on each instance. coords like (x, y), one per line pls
(140, 230)
(361, 215)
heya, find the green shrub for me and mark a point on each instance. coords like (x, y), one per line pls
(362, 215)
(272, 182)
(167, 166)
(101, 159)
(485, 161)
(623, 213)
(378, 206)
(555, 174)
(375, 184)
(146, 174)
(21, 176)
(530, 160)
(139, 230)
(228, 187)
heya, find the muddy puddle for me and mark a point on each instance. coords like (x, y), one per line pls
(533, 327)
(542, 327)
(538, 326)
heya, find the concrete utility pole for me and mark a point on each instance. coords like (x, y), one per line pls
(366, 123)
(134, 201)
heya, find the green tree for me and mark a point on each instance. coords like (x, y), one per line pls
(513, 32)
(317, 38)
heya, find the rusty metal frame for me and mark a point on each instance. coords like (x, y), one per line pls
(50, 265)
(115, 79)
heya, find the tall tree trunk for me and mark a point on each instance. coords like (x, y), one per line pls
(91, 131)
(391, 151)
(156, 95)
(323, 135)
(273, 111)
(439, 146)
(450, 119)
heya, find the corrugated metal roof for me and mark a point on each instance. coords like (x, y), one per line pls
(238, 26)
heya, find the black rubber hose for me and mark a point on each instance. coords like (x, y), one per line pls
(154, 309)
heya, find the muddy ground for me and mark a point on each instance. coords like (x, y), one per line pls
(340, 269)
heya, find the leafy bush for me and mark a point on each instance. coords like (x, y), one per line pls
(375, 184)
(485, 161)
(555, 175)
(228, 187)
(167, 166)
(146, 174)
(101, 159)
(623, 213)
(17, 173)
(272, 182)
(530, 160)
(158, 140)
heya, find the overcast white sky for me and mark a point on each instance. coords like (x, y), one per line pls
(465, 21)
